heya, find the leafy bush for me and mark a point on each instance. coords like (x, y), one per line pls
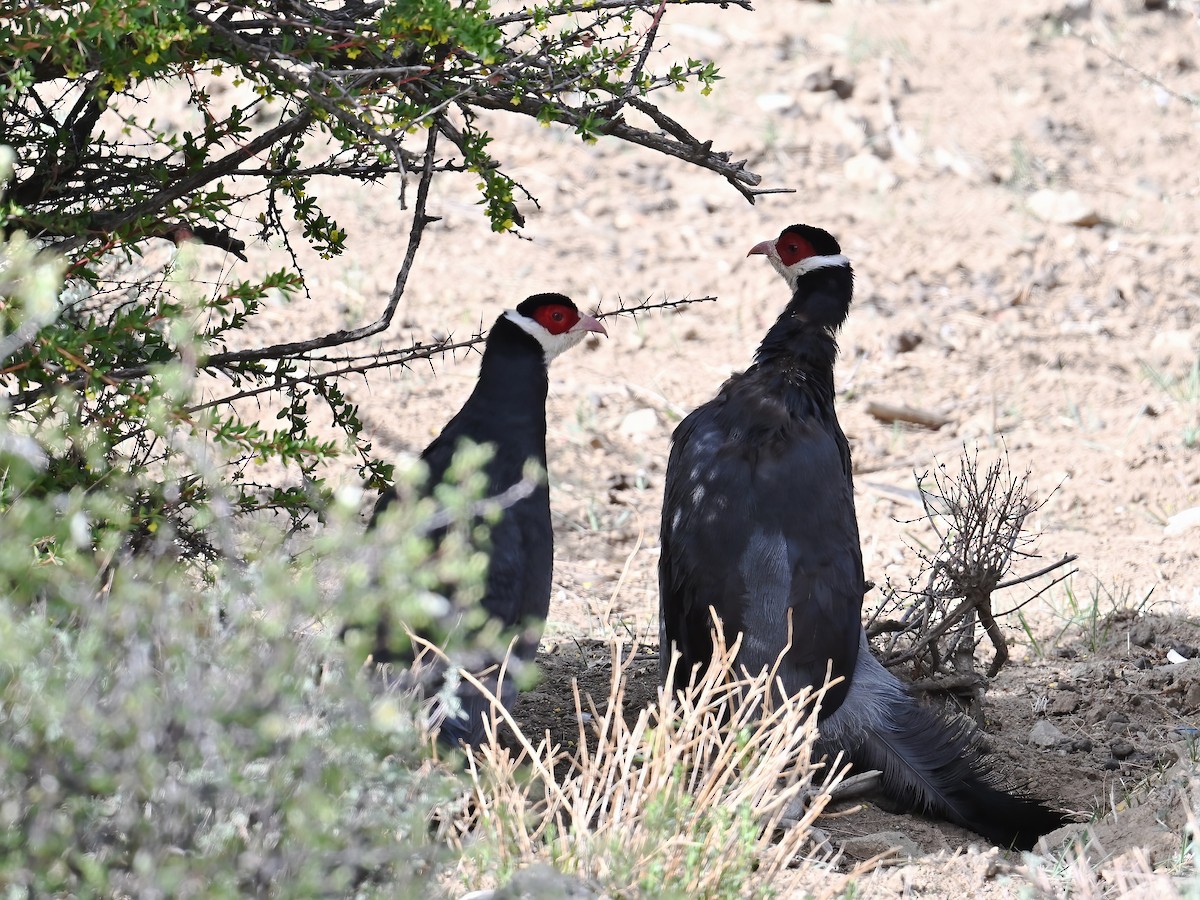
(168, 734)
(165, 737)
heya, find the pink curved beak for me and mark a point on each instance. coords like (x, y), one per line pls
(589, 323)
(765, 248)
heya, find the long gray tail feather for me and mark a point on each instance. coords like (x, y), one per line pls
(466, 723)
(930, 764)
(459, 710)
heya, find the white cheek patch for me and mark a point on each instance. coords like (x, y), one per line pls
(552, 344)
(784, 272)
(819, 262)
(791, 274)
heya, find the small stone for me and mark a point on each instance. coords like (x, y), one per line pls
(818, 78)
(852, 125)
(623, 221)
(1174, 347)
(541, 880)
(870, 845)
(775, 102)
(1142, 634)
(1063, 703)
(620, 481)
(869, 171)
(956, 163)
(1121, 749)
(1044, 734)
(1063, 208)
(1191, 699)
(1074, 11)
(905, 342)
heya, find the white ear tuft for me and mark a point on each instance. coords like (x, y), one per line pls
(552, 344)
(791, 274)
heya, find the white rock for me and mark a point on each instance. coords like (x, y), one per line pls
(639, 423)
(1063, 208)
(775, 102)
(854, 127)
(1182, 521)
(869, 171)
(1043, 734)
(957, 163)
(1175, 346)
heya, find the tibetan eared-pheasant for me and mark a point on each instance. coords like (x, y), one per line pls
(759, 528)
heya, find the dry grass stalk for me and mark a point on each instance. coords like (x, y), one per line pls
(687, 795)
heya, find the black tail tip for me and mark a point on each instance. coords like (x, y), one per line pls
(1022, 823)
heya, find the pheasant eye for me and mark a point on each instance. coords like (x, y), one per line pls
(556, 318)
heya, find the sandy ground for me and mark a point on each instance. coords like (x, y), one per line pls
(1062, 330)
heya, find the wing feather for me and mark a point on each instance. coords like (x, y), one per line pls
(759, 527)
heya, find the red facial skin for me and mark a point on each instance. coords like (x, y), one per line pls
(792, 248)
(789, 248)
(556, 318)
(559, 319)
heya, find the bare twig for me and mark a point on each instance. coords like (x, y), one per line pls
(590, 5)
(889, 414)
(361, 364)
(635, 74)
(292, 349)
(945, 683)
(1091, 41)
(891, 122)
(978, 518)
(203, 234)
(1066, 560)
(689, 149)
(107, 222)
